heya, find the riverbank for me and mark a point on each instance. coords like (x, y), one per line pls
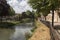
(11, 24)
(8, 24)
(42, 32)
(26, 20)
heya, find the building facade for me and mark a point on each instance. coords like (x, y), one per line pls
(56, 17)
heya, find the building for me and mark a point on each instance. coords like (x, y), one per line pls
(56, 17)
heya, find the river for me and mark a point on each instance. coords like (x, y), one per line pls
(18, 33)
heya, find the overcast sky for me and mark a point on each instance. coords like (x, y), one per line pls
(19, 5)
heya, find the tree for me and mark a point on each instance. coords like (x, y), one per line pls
(23, 14)
(4, 7)
(11, 11)
(40, 6)
(45, 12)
(29, 14)
(45, 4)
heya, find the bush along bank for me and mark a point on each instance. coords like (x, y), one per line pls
(8, 24)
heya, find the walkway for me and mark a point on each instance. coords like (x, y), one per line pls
(54, 30)
(41, 33)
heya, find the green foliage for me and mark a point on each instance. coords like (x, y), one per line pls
(4, 7)
(9, 24)
(45, 12)
(11, 12)
(28, 35)
(36, 15)
(28, 12)
(6, 25)
(26, 20)
(44, 6)
(33, 29)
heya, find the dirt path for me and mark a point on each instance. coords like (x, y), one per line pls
(41, 33)
(54, 32)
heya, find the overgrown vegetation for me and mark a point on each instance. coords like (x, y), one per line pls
(8, 24)
(28, 35)
(33, 29)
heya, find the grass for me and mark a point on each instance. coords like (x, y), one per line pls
(35, 26)
(29, 35)
(42, 32)
(33, 29)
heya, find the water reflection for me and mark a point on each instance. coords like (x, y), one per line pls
(20, 31)
(5, 33)
(15, 34)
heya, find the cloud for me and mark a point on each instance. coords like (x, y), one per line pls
(19, 5)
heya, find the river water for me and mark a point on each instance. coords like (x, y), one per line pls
(18, 33)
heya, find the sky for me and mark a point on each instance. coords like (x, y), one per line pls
(19, 5)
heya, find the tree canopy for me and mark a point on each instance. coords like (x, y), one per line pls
(5, 9)
(11, 11)
(44, 5)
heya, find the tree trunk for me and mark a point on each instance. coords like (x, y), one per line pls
(45, 18)
(52, 18)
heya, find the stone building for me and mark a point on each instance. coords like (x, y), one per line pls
(56, 17)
